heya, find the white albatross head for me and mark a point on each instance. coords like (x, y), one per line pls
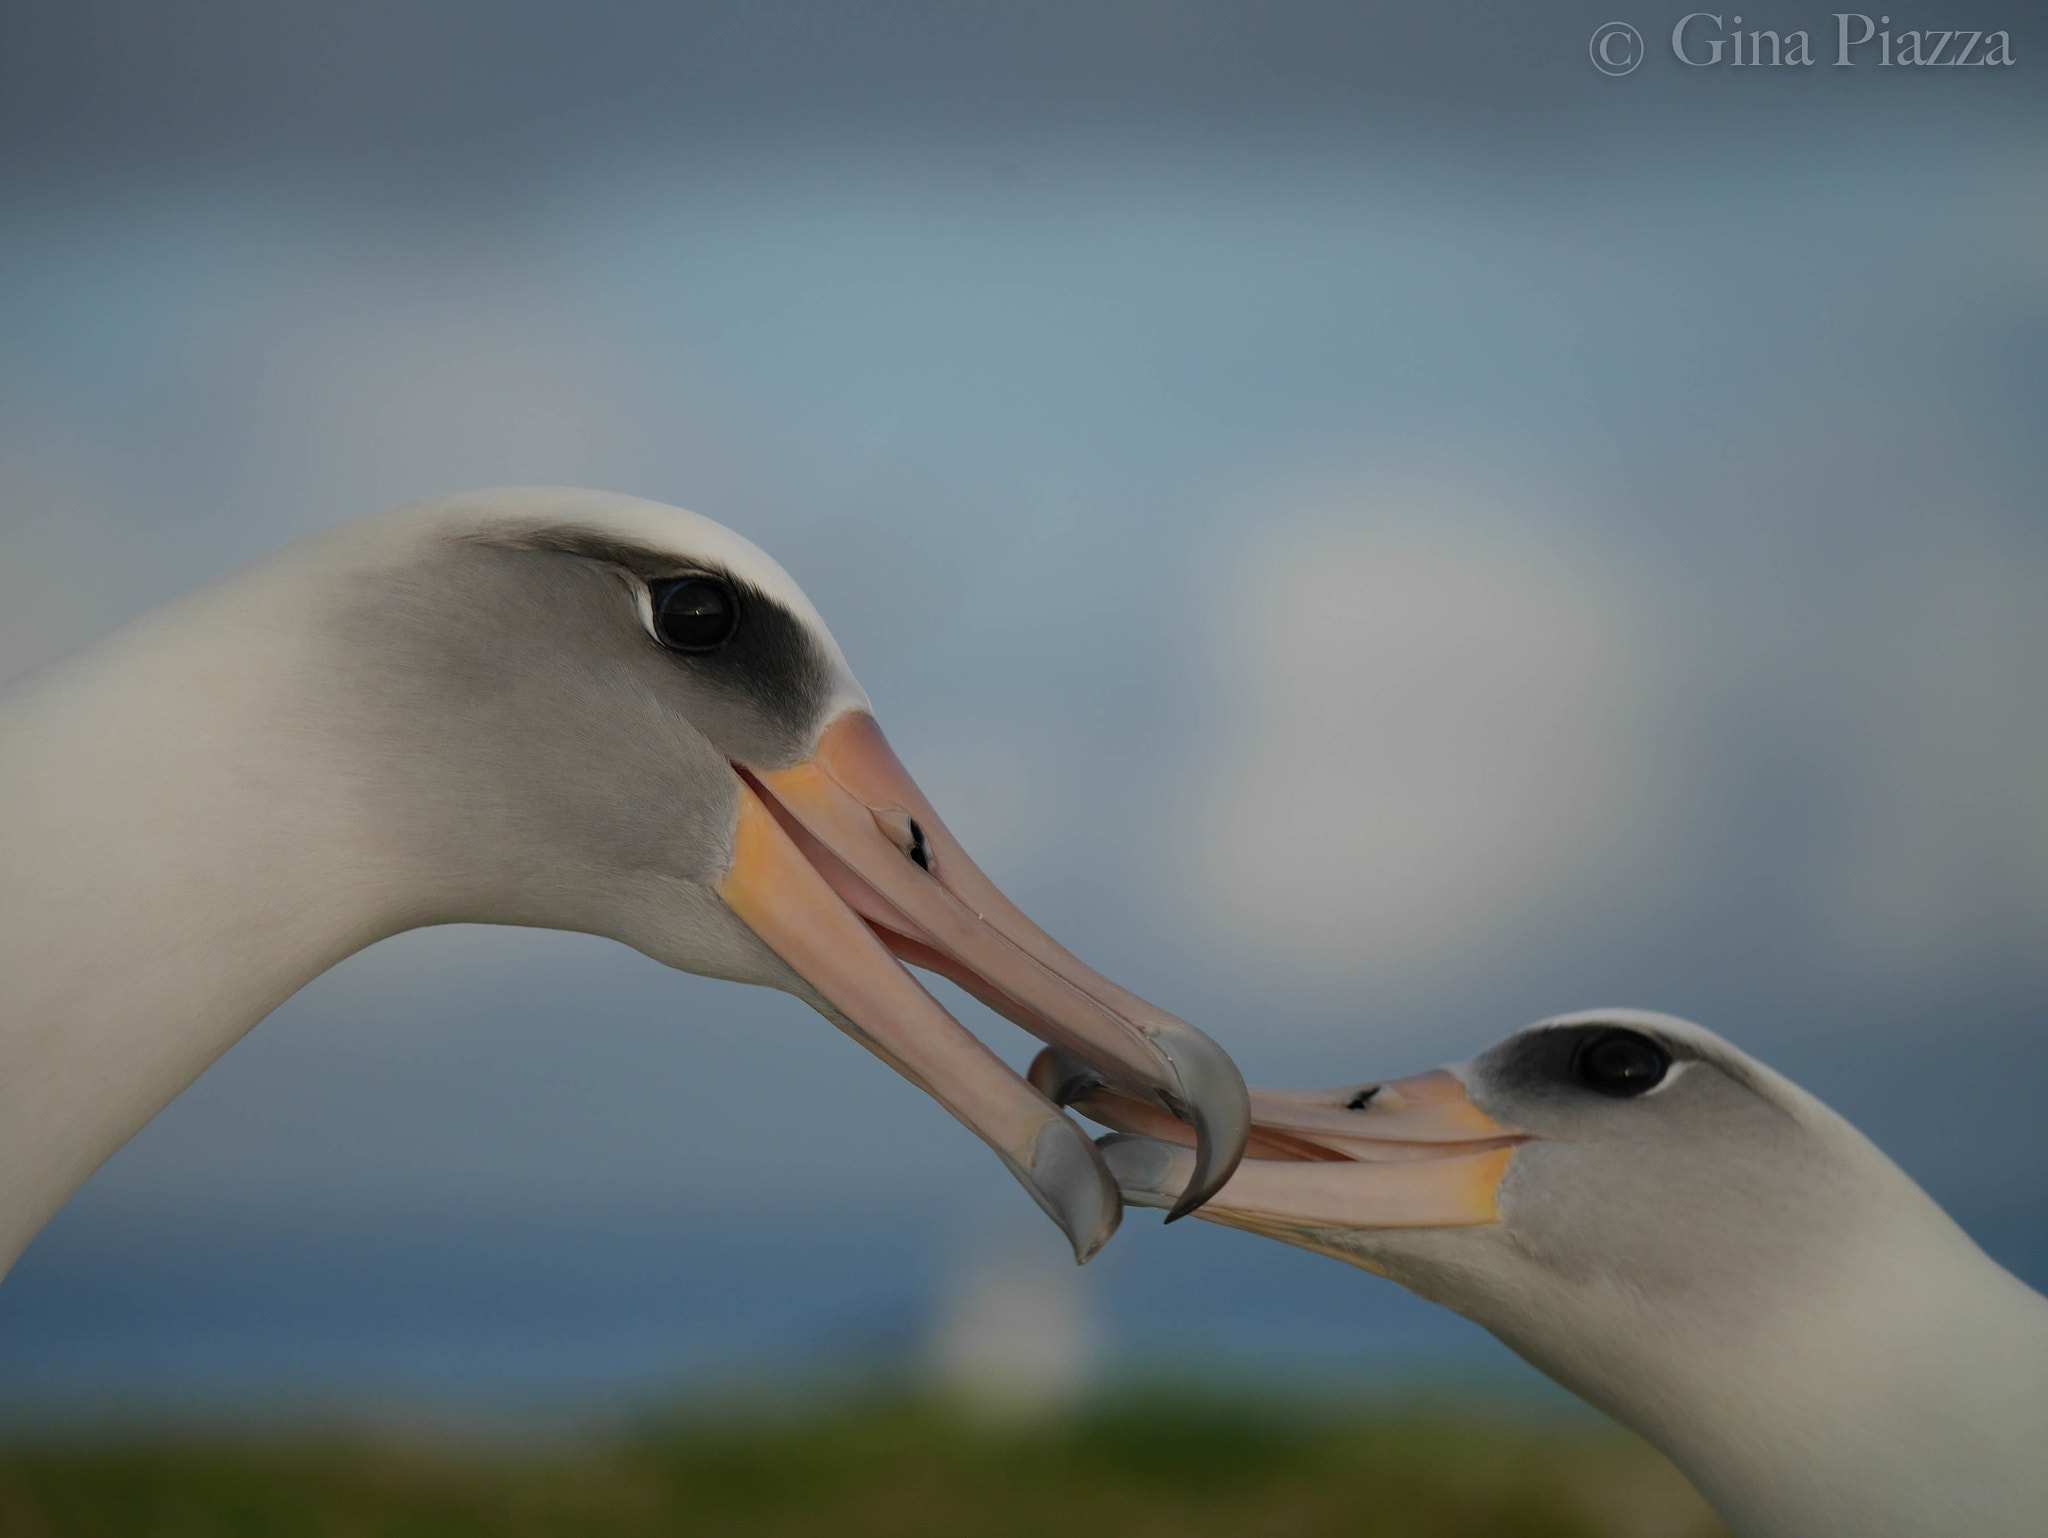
(573, 710)
(1679, 1235)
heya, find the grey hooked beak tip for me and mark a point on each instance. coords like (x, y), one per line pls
(1213, 1100)
(1070, 1181)
(1216, 1104)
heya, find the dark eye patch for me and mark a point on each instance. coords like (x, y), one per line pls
(1610, 1060)
(764, 698)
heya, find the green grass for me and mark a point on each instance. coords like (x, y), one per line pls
(1163, 1465)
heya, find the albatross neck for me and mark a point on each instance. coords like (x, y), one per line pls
(1907, 1402)
(179, 853)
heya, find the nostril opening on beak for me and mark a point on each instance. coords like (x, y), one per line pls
(1362, 1099)
(901, 829)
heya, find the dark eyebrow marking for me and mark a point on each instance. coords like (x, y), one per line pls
(566, 539)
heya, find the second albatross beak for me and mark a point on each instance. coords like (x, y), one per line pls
(1403, 1153)
(839, 861)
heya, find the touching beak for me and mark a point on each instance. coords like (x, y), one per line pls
(844, 869)
(1405, 1153)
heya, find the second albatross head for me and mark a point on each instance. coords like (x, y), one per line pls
(1681, 1236)
(597, 713)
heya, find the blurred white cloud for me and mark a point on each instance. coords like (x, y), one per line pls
(1450, 728)
(1940, 847)
(1435, 724)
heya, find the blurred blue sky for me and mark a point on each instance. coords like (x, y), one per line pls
(1372, 532)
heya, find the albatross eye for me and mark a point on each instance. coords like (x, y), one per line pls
(693, 614)
(1620, 1063)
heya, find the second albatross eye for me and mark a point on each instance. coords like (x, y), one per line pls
(1620, 1063)
(693, 614)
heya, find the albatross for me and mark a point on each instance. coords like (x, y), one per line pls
(1680, 1236)
(534, 706)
